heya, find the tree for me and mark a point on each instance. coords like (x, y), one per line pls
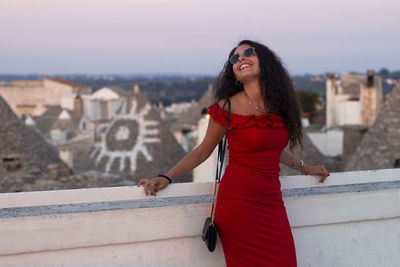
(308, 101)
(384, 72)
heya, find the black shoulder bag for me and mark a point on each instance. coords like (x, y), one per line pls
(209, 234)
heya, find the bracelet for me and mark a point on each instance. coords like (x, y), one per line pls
(166, 177)
(301, 167)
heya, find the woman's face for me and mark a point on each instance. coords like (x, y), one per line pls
(246, 68)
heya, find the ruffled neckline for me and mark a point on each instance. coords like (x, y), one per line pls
(242, 121)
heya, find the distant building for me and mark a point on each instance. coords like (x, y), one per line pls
(184, 127)
(135, 142)
(60, 125)
(171, 114)
(24, 154)
(353, 99)
(105, 102)
(35, 97)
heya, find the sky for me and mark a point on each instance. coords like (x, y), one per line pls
(195, 37)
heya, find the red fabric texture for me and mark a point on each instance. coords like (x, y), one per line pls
(250, 213)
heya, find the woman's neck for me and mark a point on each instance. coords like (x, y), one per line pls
(253, 90)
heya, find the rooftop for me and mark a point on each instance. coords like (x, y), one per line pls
(67, 82)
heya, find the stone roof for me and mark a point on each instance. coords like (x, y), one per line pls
(83, 180)
(380, 146)
(311, 156)
(67, 82)
(50, 119)
(26, 83)
(119, 91)
(192, 116)
(23, 152)
(136, 143)
(80, 146)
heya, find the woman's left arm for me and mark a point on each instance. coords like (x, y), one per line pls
(294, 163)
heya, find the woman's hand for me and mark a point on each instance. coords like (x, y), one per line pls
(317, 170)
(154, 185)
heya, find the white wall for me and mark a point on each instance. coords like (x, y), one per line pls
(205, 171)
(349, 112)
(68, 101)
(53, 91)
(94, 107)
(351, 220)
(58, 135)
(330, 102)
(67, 156)
(114, 105)
(330, 143)
(339, 110)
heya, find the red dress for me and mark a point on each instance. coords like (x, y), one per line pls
(250, 213)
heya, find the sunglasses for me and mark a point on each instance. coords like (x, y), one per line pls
(247, 53)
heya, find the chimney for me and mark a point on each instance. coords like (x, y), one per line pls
(331, 75)
(136, 88)
(370, 78)
(78, 104)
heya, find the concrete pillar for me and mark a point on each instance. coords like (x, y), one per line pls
(330, 100)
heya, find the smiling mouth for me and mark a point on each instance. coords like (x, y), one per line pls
(244, 66)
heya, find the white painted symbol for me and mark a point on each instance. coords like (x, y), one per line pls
(122, 133)
(144, 136)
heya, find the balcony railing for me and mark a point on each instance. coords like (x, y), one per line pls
(353, 219)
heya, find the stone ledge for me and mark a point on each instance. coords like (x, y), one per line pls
(46, 210)
(337, 189)
(103, 206)
(108, 194)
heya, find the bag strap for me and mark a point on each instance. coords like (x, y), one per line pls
(222, 146)
(220, 162)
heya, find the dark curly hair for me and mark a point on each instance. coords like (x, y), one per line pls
(277, 89)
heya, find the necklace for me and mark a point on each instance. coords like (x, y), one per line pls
(255, 105)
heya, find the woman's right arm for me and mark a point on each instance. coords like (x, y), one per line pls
(214, 134)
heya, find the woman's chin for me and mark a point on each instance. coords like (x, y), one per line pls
(248, 77)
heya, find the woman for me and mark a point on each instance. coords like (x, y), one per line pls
(265, 116)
